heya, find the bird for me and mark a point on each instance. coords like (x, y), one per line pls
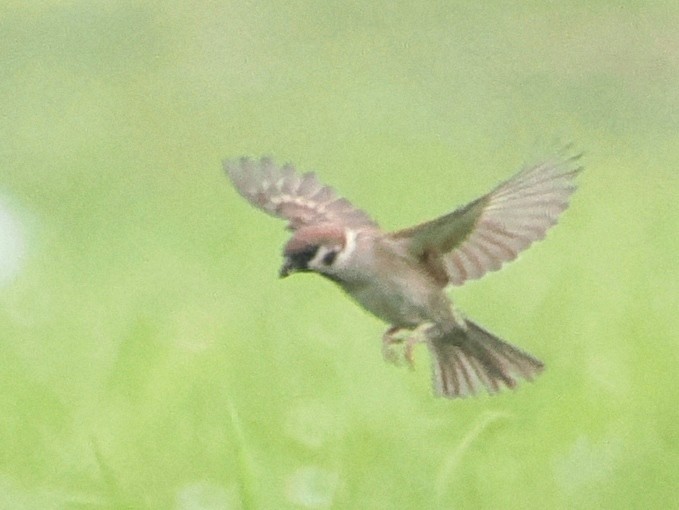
(401, 277)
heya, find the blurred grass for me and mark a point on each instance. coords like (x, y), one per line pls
(151, 359)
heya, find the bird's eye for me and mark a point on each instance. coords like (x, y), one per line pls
(329, 257)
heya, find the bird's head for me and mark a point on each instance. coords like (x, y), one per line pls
(318, 248)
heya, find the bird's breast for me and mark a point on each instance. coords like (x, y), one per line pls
(397, 301)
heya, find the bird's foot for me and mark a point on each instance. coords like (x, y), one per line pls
(389, 339)
(408, 350)
(417, 336)
(393, 337)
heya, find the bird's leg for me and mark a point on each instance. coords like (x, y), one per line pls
(418, 335)
(388, 340)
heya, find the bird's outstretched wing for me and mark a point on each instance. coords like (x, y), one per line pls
(482, 235)
(300, 199)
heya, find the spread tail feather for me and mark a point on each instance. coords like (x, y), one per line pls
(466, 360)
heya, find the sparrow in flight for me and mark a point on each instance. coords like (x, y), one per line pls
(401, 276)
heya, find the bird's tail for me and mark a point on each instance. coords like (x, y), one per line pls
(467, 359)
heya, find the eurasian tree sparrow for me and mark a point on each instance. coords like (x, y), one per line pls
(400, 276)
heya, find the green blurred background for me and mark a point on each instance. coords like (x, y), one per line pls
(152, 359)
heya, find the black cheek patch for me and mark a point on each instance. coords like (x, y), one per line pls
(329, 258)
(301, 259)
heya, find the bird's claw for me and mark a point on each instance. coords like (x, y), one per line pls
(408, 350)
(390, 338)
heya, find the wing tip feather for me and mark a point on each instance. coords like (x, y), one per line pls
(299, 198)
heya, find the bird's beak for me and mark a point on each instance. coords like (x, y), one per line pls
(294, 263)
(287, 268)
